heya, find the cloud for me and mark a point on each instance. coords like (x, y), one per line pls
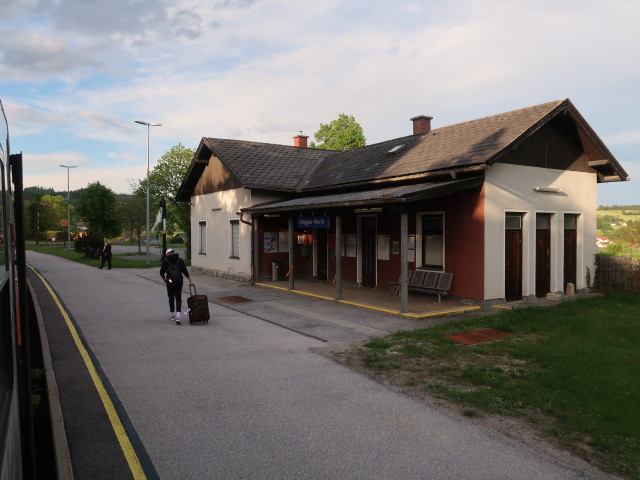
(628, 137)
(45, 170)
(93, 18)
(265, 70)
(25, 120)
(100, 123)
(36, 55)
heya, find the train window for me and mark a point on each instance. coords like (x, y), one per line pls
(6, 343)
(3, 243)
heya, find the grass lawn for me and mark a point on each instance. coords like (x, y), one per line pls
(117, 261)
(572, 371)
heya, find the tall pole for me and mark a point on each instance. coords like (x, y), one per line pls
(148, 240)
(148, 125)
(68, 207)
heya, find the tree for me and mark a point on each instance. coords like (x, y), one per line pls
(132, 212)
(97, 207)
(342, 134)
(629, 234)
(44, 214)
(36, 223)
(164, 181)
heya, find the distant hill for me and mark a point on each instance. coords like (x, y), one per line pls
(30, 192)
(74, 195)
(635, 208)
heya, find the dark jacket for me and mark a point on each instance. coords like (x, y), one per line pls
(106, 251)
(174, 259)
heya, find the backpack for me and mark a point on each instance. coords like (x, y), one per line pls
(174, 275)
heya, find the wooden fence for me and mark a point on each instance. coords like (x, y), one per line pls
(617, 273)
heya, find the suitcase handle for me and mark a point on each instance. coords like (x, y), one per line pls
(194, 290)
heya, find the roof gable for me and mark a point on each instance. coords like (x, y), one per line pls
(264, 165)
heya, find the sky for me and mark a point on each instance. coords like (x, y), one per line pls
(76, 74)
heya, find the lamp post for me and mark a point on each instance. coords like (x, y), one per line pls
(68, 207)
(148, 125)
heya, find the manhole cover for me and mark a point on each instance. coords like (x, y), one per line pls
(235, 299)
(478, 336)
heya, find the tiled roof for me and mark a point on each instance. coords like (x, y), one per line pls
(471, 145)
(461, 145)
(265, 165)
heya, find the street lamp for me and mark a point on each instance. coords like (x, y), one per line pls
(148, 125)
(68, 207)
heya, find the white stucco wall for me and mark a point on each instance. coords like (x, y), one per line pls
(217, 210)
(510, 188)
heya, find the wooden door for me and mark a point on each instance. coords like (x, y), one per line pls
(570, 249)
(513, 258)
(543, 255)
(369, 252)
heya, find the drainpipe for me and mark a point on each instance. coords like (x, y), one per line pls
(254, 242)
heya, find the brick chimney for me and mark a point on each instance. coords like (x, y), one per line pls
(421, 124)
(300, 141)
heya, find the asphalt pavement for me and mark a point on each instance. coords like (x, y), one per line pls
(252, 394)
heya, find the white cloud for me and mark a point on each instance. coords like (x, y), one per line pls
(45, 171)
(628, 137)
(25, 120)
(265, 70)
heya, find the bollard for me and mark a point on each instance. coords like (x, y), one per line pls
(571, 289)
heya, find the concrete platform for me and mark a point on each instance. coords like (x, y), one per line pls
(419, 305)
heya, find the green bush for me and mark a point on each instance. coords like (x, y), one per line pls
(90, 246)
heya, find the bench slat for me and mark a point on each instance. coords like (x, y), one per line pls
(431, 280)
(418, 279)
(444, 282)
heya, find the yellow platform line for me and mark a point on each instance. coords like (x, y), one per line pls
(441, 312)
(370, 307)
(294, 291)
(503, 308)
(118, 428)
(396, 312)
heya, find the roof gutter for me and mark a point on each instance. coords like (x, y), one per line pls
(451, 173)
(382, 201)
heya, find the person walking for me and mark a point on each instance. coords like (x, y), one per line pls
(105, 256)
(171, 271)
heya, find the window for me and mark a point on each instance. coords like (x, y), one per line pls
(203, 238)
(433, 241)
(235, 238)
(570, 221)
(395, 149)
(513, 221)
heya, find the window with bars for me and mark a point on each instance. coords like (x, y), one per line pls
(203, 238)
(235, 238)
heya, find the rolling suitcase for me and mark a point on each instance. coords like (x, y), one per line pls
(198, 307)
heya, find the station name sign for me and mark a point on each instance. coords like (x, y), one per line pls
(312, 222)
